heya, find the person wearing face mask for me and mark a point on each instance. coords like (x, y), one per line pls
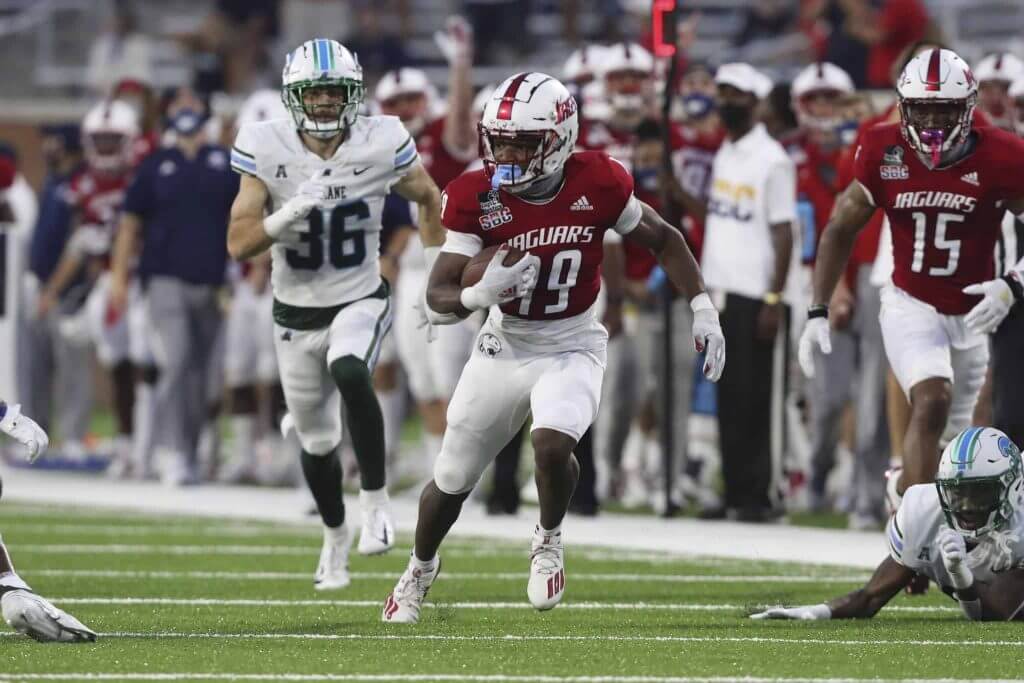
(173, 235)
(746, 257)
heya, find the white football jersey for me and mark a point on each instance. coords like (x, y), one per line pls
(913, 534)
(336, 260)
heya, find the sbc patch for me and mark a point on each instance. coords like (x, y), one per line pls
(489, 221)
(900, 172)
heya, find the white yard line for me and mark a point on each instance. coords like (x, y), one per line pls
(470, 678)
(531, 638)
(581, 605)
(450, 576)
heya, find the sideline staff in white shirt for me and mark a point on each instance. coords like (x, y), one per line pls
(748, 244)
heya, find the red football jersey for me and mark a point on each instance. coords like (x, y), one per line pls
(566, 232)
(816, 187)
(442, 166)
(944, 222)
(98, 198)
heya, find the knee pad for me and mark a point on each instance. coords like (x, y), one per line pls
(451, 476)
(351, 373)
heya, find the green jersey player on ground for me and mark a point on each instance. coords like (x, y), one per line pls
(965, 532)
(312, 191)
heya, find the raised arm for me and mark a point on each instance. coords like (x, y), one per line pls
(456, 42)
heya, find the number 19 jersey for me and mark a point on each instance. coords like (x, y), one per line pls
(336, 258)
(945, 222)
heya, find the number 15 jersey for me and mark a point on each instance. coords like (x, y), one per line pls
(945, 222)
(335, 260)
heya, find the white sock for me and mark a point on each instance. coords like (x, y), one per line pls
(391, 405)
(336, 533)
(653, 464)
(142, 438)
(541, 531)
(11, 580)
(432, 442)
(243, 447)
(633, 452)
(369, 499)
(424, 566)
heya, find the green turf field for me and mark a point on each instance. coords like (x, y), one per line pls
(181, 599)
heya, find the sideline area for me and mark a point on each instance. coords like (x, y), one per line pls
(681, 536)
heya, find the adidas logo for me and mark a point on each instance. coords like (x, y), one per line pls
(582, 204)
(971, 178)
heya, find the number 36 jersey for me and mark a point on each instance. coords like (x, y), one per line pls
(565, 232)
(335, 260)
(945, 222)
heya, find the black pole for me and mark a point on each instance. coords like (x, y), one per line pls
(666, 295)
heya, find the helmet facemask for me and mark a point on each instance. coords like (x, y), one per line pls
(976, 506)
(517, 177)
(629, 94)
(324, 108)
(107, 151)
(934, 127)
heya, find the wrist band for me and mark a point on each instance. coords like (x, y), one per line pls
(772, 298)
(1013, 280)
(819, 311)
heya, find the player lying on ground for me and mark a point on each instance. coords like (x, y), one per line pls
(542, 350)
(25, 611)
(965, 532)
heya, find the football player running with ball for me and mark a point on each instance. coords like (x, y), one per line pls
(542, 350)
(324, 173)
(965, 532)
(23, 610)
(944, 185)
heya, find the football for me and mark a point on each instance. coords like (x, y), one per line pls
(474, 270)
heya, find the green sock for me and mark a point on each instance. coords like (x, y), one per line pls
(365, 422)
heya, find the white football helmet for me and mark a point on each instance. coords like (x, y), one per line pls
(582, 65)
(109, 132)
(627, 71)
(822, 79)
(1016, 94)
(406, 82)
(531, 109)
(314, 68)
(937, 95)
(481, 98)
(995, 73)
(979, 481)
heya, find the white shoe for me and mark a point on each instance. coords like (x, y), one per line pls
(547, 571)
(378, 533)
(34, 616)
(332, 572)
(404, 603)
(287, 426)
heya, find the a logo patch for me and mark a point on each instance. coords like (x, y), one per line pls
(893, 155)
(900, 172)
(971, 178)
(565, 109)
(281, 173)
(489, 345)
(490, 201)
(581, 204)
(489, 221)
(286, 335)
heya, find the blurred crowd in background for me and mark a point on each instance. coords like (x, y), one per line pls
(183, 75)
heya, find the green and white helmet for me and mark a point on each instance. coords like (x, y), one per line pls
(318, 65)
(979, 481)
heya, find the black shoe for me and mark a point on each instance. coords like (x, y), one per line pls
(718, 512)
(501, 506)
(584, 508)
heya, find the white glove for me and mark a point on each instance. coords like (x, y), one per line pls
(997, 299)
(500, 283)
(816, 333)
(707, 336)
(25, 431)
(807, 612)
(310, 194)
(954, 555)
(34, 616)
(456, 40)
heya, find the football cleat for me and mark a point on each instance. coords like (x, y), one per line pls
(378, 533)
(404, 603)
(332, 572)
(547, 571)
(34, 616)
